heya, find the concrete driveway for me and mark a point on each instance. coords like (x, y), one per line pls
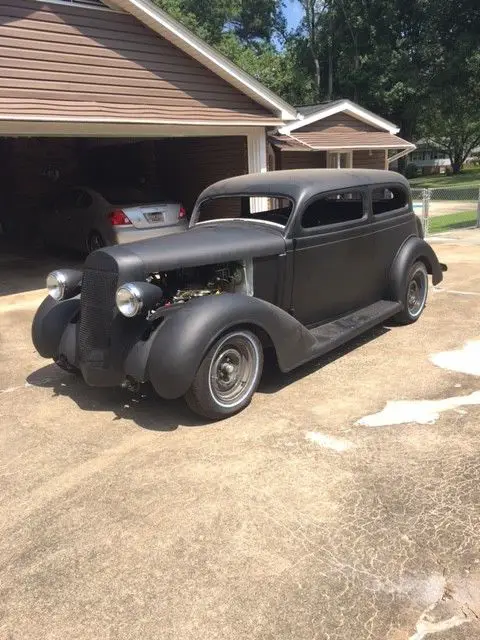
(122, 517)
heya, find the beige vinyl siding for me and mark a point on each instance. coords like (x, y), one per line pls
(374, 159)
(60, 60)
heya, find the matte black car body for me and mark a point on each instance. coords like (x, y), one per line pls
(312, 289)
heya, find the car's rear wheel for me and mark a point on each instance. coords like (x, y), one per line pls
(228, 376)
(95, 241)
(415, 296)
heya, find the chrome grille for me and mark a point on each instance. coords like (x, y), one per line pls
(96, 314)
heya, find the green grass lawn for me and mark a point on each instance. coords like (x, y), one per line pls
(460, 220)
(468, 178)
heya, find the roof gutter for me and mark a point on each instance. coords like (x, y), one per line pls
(401, 154)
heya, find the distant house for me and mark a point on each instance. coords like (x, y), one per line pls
(338, 134)
(429, 159)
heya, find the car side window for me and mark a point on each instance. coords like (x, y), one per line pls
(388, 199)
(334, 208)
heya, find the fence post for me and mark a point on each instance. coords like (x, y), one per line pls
(425, 210)
(478, 210)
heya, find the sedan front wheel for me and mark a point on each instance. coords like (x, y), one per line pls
(228, 376)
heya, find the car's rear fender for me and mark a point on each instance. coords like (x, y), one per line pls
(173, 353)
(412, 250)
(50, 322)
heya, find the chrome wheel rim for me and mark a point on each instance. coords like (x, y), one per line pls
(417, 293)
(234, 370)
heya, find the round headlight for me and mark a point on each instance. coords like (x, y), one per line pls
(129, 300)
(56, 282)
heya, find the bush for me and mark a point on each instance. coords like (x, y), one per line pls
(412, 171)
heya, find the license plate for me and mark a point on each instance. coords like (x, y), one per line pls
(157, 216)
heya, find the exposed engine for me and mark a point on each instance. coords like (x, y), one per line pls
(182, 285)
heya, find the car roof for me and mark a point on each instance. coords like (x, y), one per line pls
(300, 183)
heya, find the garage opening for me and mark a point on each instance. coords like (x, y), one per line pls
(37, 171)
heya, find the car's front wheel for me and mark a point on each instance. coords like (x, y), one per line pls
(228, 376)
(415, 296)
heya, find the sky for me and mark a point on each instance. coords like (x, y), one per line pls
(293, 13)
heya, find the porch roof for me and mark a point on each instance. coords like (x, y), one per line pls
(335, 140)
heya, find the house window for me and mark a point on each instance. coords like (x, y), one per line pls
(338, 207)
(339, 160)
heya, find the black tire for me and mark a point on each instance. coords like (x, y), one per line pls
(415, 296)
(95, 241)
(228, 376)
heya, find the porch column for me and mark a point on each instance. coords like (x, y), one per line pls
(257, 162)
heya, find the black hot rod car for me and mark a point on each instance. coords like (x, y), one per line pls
(300, 261)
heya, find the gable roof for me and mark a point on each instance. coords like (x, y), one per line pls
(166, 26)
(313, 113)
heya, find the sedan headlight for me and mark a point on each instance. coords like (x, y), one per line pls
(64, 284)
(129, 300)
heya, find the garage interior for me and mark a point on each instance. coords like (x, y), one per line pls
(34, 168)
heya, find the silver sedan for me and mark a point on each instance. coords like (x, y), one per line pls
(87, 219)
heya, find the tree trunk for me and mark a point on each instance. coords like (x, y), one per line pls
(456, 166)
(330, 73)
(356, 66)
(318, 78)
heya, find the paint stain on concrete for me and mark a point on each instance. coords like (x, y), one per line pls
(426, 627)
(465, 360)
(329, 442)
(419, 411)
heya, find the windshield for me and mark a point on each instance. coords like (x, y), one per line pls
(262, 208)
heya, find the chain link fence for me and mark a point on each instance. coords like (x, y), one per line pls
(447, 209)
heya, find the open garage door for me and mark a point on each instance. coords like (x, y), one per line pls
(36, 168)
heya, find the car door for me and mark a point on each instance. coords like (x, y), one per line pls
(333, 256)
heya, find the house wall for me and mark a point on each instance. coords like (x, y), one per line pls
(365, 159)
(301, 159)
(338, 123)
(60, 60)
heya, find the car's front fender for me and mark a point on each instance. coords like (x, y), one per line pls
(413, 249)
(172, 355)
(50, 322)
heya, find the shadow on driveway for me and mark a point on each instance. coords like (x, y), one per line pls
(144, 408)
(149, 411)
(274, 380)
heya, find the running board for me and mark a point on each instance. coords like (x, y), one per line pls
(334, 334)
